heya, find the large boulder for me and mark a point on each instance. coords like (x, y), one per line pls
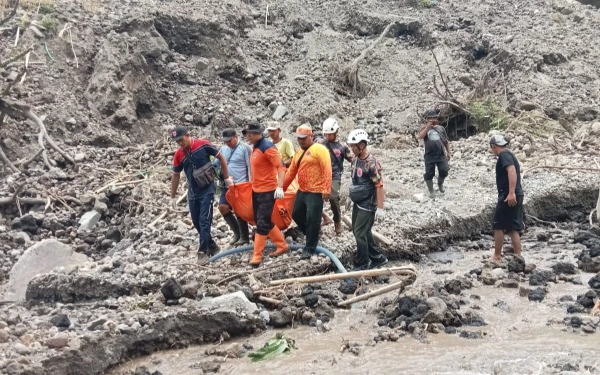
(234, 302)
(40, 258)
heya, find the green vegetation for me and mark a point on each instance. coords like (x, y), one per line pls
(49, 23)
(488, 115)
(46, 8)
(24, 22)
(273, 347)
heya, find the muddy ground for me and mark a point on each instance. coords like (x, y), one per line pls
(136, 68)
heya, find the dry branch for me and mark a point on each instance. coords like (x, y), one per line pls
(378, 292)
(23, 165)
(165, 213)
(347, 78)
(11, 14)
(4, 63)
(409, 270)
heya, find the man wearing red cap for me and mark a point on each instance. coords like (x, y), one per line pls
(312, 165)
(193, 158)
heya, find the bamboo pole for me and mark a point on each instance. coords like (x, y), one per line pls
(389, 288)
(395, 271)
(377, 236)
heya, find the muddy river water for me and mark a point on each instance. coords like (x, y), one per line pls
(521, 337)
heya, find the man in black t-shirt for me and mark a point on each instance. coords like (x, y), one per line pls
(437, 151)
(509, 208)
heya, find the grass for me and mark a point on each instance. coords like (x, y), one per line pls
(49, 23)
(24, 22)
(488, 115)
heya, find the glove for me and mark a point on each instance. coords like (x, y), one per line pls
(279, 193)
(174, 203)
(228, 181)
(379, 214)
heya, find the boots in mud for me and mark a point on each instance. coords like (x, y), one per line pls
(441, 184)
(233, 225)
(244, 235)
(430, 188)
(278, 239)
(260, 240)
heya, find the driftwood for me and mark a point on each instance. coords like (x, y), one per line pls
(410, 271)
(270, 301)
(376, 235)
(386, 289)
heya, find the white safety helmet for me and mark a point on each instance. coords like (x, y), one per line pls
(330, 126)
(357, 135)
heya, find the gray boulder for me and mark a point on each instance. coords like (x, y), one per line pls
(234, 302)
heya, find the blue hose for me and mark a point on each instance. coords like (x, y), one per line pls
(319, 250)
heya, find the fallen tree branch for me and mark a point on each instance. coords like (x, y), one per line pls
(11, 14)
(270, 301)
(542, 221)
(376, 235)
(7, 162)
(448, 92)
(409, 270)
(4, 63)
(378, 292)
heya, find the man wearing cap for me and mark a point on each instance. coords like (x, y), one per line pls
(237, 154)
(268, 173)
(338, 151)
(194, 155)
(284, 146)
(437, 151)
(312, 165)
(508, 217)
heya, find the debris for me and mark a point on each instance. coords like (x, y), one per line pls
(275, 346)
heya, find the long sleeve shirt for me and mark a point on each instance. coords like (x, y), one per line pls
(265, 163)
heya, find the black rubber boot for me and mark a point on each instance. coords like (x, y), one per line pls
(233, 225)
(441, 184)
(244, 234)
(430, 188)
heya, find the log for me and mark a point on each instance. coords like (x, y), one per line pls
(386, 289)
(409, 270)
(376, 235)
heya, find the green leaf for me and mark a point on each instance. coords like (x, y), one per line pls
(271, 349)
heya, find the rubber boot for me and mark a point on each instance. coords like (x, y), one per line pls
(441, 184)
(430, 188)
(260, 240)
(244, 235)
(234, 226)
(277, 238)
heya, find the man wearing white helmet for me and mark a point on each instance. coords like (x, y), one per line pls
(366, 192)
(338, 151)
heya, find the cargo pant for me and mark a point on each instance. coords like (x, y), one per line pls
(201, 210)
(334, 200)
(307, 211)
(366, 248)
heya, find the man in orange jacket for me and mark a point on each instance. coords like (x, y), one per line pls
(312, 164)
(268, 173)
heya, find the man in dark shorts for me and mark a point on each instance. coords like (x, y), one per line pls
(509, 209)
(437, 151)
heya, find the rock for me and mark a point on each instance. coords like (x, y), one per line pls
(280, 112)
(279, 319)
(595, 129)
(97, 323)
(60, 340)
(79, 157)
(26, 223)
(527, 106)
(311, 300)
(510, 283)
(450, 330)
(516, 264)
(348, 287)
(594, 282)
(71, 121)
(125, 329)
(541, 277)
(587, 300)
(202, 64)
(21, 238)
(488, 277)
(57, 174)
(536, 295)
(60, 321)
(517, 367)
(100, 206)
(466, 79)
(209, 367)
(576, 309)
(266, 316)
(4, 335)
(40, 258)
(171, 290)
(437, 307)
(564, 267)
(233, 302)
(22, 349)
(529, 268)
(470, 335)
(89, 220)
